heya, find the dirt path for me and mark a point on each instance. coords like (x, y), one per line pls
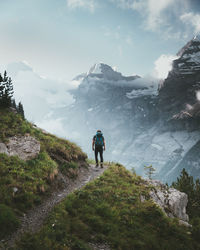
(34, 219)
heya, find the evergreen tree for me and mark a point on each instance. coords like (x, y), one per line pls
(1, 90)
(13, 104)
(20, 110)
(6, 91)
(149, 171)
(185, 183)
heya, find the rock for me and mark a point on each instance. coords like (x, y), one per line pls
(99, 246)
(3, 148)
(15, 189)
(25, 147)
(184, 223)
(170, 200)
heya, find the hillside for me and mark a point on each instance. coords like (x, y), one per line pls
(109, 213)
(33, 164)
(118, 210)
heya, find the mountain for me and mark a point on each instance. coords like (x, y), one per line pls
(179, 105)
(44, 204)
(144, 122)
(121, 106)
(183, 84)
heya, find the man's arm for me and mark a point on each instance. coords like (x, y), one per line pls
(104, 144)
(93, 142)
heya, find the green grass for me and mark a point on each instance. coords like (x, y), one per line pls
(36, 178)
(12, 124)
(109, 210)
(31, 178)
(8, 220)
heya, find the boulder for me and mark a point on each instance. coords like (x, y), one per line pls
(25, 147)
(170, 200)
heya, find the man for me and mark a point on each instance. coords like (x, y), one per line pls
(98, 145)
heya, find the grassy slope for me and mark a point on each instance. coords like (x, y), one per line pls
(33, 178)
(109, 210)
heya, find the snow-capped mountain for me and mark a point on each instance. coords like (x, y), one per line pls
(142, 125)
(101, 70)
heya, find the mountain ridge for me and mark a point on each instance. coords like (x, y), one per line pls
(143, 124)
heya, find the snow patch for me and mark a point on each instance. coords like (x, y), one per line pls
(157, 146)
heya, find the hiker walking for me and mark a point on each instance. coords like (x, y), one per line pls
(98, 145)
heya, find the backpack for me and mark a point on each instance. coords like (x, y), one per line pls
(99, 139)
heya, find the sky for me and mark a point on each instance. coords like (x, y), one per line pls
(60, 39)
(44, 44)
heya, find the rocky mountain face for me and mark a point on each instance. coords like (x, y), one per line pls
(179, 95)
(143, 123)
(179, 105)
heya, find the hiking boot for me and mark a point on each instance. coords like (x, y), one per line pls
(97, 165)
(101, 165)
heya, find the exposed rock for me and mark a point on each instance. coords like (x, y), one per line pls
(170, 200)
(15, 189)
(3, 148)
(25, 147)
(184, 223)
(99, 246)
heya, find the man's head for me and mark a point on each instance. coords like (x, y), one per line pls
(99, 133)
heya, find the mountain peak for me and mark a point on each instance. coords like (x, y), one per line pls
(197, 37)
(100, 68)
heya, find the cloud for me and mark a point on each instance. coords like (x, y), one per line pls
(120, 50)
(129, 41)
(191, 20)
(85, 4)
(153, 15)
(163, 65)
(157, 15)
(117, 34)
(39, 95)
(198, 95)
(54, 126)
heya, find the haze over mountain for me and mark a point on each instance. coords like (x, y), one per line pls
(145, 122)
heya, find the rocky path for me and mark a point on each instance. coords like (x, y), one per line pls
(34, 219)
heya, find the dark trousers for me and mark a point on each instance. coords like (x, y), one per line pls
(100, 151)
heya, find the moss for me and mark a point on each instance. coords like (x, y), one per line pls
(109, 210)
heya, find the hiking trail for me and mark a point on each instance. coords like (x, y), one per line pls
(33, 220)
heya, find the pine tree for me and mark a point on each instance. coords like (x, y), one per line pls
(20, 110)
(149, 171)
(6, 91)
(185, 183)
(13, 104)
(1, 90)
